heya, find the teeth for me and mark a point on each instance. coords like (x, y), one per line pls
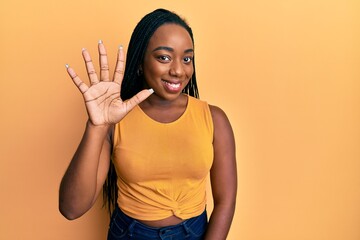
(174, 85)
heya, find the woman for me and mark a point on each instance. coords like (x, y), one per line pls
(149, 139)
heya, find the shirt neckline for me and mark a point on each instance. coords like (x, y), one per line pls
(169, 123)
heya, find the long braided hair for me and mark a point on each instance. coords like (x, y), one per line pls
(134, 82)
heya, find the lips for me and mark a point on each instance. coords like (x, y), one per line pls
(172, 86)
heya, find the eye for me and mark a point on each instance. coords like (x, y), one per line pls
(188, 59)
(164, 58)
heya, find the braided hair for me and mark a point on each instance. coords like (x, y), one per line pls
(133, 82)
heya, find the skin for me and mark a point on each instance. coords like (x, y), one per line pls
(168, 60)
(87, 172)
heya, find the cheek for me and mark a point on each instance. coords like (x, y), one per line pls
(154, 69)
(189, 71)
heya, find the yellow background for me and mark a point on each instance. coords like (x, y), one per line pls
(287, 73)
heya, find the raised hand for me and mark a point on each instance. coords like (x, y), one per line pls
(102, 97)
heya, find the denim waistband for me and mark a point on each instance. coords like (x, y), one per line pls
(162, 232)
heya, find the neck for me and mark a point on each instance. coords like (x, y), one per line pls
(156, 101)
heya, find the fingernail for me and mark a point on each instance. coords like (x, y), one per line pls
(100, 41)
(67, 65)
(83, 49)
(120, 46)
(151, 90)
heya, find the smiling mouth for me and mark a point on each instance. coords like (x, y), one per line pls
(172, 86)
(175, 85)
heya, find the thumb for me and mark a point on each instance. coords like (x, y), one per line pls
(138, 98)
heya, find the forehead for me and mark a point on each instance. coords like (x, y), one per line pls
(171, 35)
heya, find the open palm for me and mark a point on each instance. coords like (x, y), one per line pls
(102, 98)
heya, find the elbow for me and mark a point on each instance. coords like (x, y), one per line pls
(70, 207)
(68, 212)
(69, 215)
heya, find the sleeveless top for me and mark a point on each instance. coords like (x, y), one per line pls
(162, 167)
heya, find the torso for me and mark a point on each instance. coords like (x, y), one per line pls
(165, 112)
(172, 113)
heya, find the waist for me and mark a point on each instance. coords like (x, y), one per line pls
(156, 225)
(122, 225)
(151, 204)
(169, 221)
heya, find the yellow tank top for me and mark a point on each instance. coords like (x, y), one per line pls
(162, 167)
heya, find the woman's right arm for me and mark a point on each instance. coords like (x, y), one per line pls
(87, 172)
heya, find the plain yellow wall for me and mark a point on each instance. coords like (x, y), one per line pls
(286, 72)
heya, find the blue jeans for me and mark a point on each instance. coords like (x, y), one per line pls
(123, 227)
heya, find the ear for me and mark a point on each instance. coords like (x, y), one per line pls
(139, 72)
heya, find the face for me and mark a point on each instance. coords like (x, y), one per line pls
(168, 61)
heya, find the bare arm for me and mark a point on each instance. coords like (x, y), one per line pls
(88, 169)
(223, 175)
(86, 173)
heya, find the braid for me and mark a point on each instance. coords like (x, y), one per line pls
(133, 82)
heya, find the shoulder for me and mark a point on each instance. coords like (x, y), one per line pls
(195, 100)
(218, 115)
(199, 105)
(222, 128)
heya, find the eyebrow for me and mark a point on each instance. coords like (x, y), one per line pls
(171, 49)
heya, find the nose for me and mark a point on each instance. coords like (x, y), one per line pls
(176, 69)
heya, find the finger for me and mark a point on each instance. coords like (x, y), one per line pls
(120, 66)
(104, 65)
(138, 98)
(90, 67)
(80, 84)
